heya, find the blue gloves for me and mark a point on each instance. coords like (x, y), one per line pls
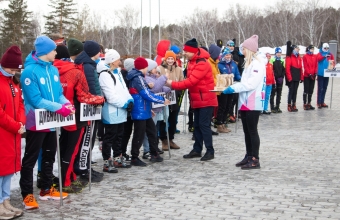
(228, 90)
(126, 105)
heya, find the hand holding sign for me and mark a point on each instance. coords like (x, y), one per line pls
(168, 82)
(71, 107)
(65, 110)
(151, 85)
(166, 102)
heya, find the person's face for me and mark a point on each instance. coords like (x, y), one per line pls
(297, 49)
(231, 46)
(96, 57)
(10, 71)
(51, 56)
(268, 56)
(188, 55)
(144, 71)
(178, 56)
(326, 48)
(278, 54)
(170, 61)
(115, 64)
(311, 50)
(244, 52)
(227, 57)
(154, 72)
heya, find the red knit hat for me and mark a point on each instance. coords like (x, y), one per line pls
(140, 63)
(12, 58)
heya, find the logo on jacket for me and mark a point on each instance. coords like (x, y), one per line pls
(56, 78)
(27, 81)
(42, 81)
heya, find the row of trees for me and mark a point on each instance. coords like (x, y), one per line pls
(302, 22)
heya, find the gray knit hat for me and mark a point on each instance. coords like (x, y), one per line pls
(129, 64)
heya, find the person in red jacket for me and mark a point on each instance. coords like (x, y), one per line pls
(294, 74)
(199, 81)
(75, 89)
(12, 120)
(310, 65)
(270, 81)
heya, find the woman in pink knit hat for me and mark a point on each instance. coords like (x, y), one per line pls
(251, 91)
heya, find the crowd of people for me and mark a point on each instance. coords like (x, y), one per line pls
(59, 76)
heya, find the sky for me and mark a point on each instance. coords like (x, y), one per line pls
(171, 11)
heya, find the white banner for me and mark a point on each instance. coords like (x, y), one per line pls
(331, 73)
(46, 119)
(171, 96)
(90, 112)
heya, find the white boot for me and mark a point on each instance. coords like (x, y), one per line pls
(5, 214)
(8, 206)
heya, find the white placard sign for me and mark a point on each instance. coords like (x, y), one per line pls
(170, 96)
(90, 112)
(331, 73)
(46, 119)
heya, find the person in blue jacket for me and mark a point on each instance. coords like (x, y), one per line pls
(41, 89)
(141, 113)
(226, 66)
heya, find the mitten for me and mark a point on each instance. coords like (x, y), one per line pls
(65, 110)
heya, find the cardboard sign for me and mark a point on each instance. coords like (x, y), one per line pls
(46, 119)
(331, 73)
(171, 96)
(90, 112)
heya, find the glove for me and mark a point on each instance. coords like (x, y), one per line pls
(301, 81)
(65, 110)
(126, 105)
(130, 107)
(288, 83)
(228, 90)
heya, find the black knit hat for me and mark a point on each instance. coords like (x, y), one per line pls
(62, 52)
(191, 46)
(91, 47)
(74, 46)
(309, 48)
(219, 43)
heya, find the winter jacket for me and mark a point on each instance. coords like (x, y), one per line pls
(214, 68)
(89, 69)
(199, 81)
(251, 89)
(176, 75)
(229, 68)
(162, 47)
(294, 68)
(270, 79)
(310, 65)
(41, 88)
(76, 90)
(142, 96)
(12, 112)
(279, 68)
(117, 96)
(159, 86)
(323, 62)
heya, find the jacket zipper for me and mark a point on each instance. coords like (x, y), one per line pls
(15, 118)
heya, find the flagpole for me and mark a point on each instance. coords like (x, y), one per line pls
(141, 17)
(150, 29)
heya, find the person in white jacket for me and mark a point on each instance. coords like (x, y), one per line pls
(251, 91)
(114, 113)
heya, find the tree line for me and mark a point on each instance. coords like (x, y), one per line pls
(302, 22)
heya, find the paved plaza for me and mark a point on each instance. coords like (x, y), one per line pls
(299, 176)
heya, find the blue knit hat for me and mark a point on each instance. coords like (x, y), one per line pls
(44, 45)
(175, 49)
(278, 50)
(226, 52)
(91, 48)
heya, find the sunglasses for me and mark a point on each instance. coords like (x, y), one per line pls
(231, 45)
(326, 48)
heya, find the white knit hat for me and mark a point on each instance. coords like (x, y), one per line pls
(111, 56)
(151, 64)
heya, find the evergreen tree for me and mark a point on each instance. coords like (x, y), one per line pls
(62, 19)
(17, 20)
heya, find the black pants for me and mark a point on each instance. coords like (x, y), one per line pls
(69, 147)
(127, 133)
(191, 116)
(202, 130)
(172, 121)
(224, 106)
(233, 104)
(81, 164)
(101, 130)
(276, 90)
(47, 141)
(293, 88)
(308, 89)
(94, 134)
(112, 140)
(250, 120)
(140, 128)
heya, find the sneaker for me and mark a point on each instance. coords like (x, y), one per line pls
(30, 202)
(273, 110)
(266, 112)
(109, 167)
(319, 106)
(232, 119)
(214, 133)
(159, 151)
(80, 183)
(38, 180)
(93, 162)
(137, 162)
(178, 131)
(156, 158)
(97, 173)
(253, 163)
(323, 105)
(191, 129)
(5, 213)
(72, 189)
(55, 182)
(146, 155)
(242, 162)
(192, 154)
(119, 163)
(127, 157)
(8, 206)
(94, 177)
(311, 107)
(278, 110)
(207, 156)
(51, 194)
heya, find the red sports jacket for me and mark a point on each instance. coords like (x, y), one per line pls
(310, 64)
(294, 68)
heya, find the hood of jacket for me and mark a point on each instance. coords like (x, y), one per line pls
(134, 73)
(200, 54)
(83, 58)
(214, 51)
(162, 47)
(63, 66)
(33, 59)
